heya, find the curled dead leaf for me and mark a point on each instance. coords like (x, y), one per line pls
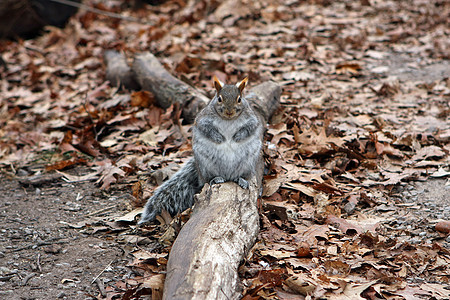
(303, 250)
(130, 216)
(443, 226)
(348, 68)
(60, 165)
(142, 99)
(301, 284)
(343, 225)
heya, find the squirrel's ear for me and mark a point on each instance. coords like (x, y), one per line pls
(241, 85)
(217, 83)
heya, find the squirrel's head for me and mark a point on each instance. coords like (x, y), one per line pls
(228, 101)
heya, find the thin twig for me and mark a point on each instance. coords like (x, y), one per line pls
(28, 47)
(101, 287)
(100, 11)
(102, 272)
(39, 262)
(12, 168)
(90, 117)
(38, 245)
(27, 278)
(101, 210)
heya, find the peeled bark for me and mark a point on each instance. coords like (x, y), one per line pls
(204, 260)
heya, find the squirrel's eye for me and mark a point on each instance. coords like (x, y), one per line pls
(239, 99)
(219, 99)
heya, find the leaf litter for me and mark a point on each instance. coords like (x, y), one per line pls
(355, 126)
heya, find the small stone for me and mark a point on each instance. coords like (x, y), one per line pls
(349, 207)
(22, 172)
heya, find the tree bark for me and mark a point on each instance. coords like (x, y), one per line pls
(204, 260)
(118, 73)
(152, 76)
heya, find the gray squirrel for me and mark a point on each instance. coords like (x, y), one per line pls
(227, 141)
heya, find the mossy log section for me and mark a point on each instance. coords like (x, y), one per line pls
(204, 260)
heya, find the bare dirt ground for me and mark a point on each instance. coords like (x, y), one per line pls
(41, 257)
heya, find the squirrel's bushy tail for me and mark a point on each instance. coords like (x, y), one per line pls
(174, 195)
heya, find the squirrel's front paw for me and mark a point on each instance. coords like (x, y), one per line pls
(216, 180)
(242, 183)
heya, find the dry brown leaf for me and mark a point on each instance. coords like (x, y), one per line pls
(312, 233)
(354, 291)
(302, 284)
(130, 216)
(343, 225)
(348, 68)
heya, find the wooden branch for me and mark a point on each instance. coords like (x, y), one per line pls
(204, 260)
(265, 99)
(167, 89)
(118, 73)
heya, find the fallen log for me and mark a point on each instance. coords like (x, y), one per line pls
(118, 73)
(153, 77)
(204, 259)
(148, 74)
